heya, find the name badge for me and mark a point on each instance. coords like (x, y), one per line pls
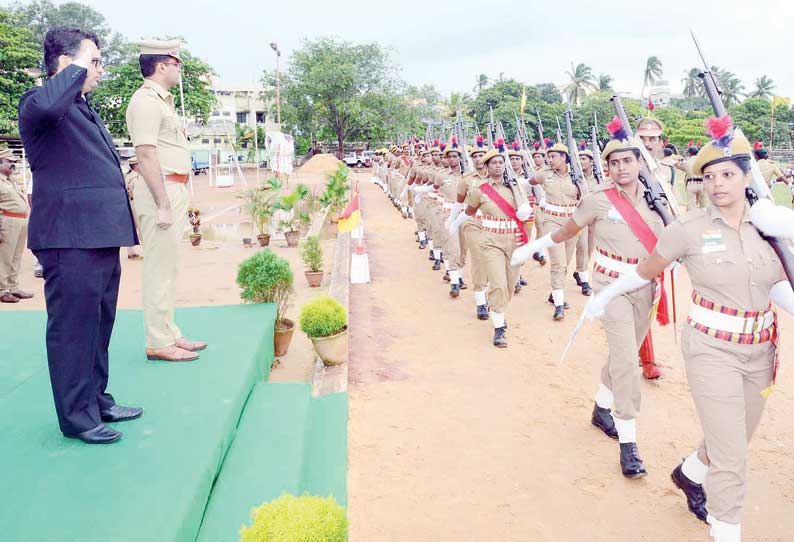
(712, 242)
(614, 216)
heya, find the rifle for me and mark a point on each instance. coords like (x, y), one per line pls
(654, 192)
(598, 167)
(540, 131)
(758, 187)
(559, 131)
(573, 156)
(466, 164)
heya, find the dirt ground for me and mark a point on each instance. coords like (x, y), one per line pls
(451, 439)
(208, 272)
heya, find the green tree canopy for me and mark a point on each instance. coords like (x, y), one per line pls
(19, 60)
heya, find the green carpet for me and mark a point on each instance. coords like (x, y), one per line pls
(153, 485)
(287, 442)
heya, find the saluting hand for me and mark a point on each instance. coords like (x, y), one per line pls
(164, 218)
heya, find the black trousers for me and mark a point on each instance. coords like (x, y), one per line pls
(81, 287)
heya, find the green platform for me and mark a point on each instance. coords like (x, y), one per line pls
(154, 484)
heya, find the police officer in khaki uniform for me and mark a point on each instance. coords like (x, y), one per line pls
(769, 168)
(455, 255)
(14, 211)
(650, 130)
(625, 318)
(161, 202)
(133, 176)
(539, 159)
(585, 243)
(729, 342)
(695, 197)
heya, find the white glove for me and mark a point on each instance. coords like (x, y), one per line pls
(773, 220)
(455, 224)
(627, 282)
(783, 296)
(524, 211)
(456, 209)
(524, 252)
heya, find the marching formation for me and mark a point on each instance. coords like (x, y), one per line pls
(610, 205)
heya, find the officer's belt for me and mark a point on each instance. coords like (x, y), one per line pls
(694, 180)
(12, 214)
(615, 265)
(742, 322)
(176, 178)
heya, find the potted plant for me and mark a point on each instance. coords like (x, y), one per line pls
(324, 320)
(293, 216)
(335, 194)
(298, 519)
(267, 278)
(312, 255)
(194, 217)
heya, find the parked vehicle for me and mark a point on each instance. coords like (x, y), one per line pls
(358, 159)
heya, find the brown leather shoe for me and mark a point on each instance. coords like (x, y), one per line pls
(21, 295)
(190, 346)
(170, 353)
(8, 297)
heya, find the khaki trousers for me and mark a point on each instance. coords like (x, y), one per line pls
(584, 249)
(726, 380)
(14, 235)
(472, 235)
(625, 322)
(560, 255)
(497, 250)
(420, 214)
(695, 195)
(438, 233)
(160, 262)
(453, 248)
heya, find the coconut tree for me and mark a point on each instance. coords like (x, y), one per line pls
(763, 88)
(653, 71)
(605, 83)
(581, 79)
(457, 101)
(482, 82)
(730, 85)
(691, 81)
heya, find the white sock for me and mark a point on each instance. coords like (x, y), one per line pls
(558, 296)
(454, 276)
(497, 319)
(604, 397)
(479, 298)
(446, 265)
(422, 236)
(430, 244)
(584, 276)
(627, 430)
(724, 532)
(694, 469)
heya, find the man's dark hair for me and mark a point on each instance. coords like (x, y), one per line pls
(761, 154)
(63, 40)
(692, 151)
(668, 151)
(149, 63)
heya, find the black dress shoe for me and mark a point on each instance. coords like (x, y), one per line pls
(118, 413)
(517, 288)
(446, 278)
(577, 279)
(559, 312)
(431, 257)
(602, 418)
(521, 281)
(454, 290)
(482, 312)
(695, 496)
(101, 434)
(540, 258)
(499, 339)
(630, 461)
(463, 285)
(436, 265)
(586, 289)
(565, 304)
(422, 245)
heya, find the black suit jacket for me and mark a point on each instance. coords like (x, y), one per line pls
(79, 196)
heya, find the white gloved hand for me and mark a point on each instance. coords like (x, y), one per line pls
(524, 211)
(455, 224)
(524, 252)
(627, 282)
(773, 220)
(782, 295)
(456, 209)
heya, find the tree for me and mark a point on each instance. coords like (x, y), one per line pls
(604, 83)
(653, 70)
(19, 58)
(581, 80)
(482, 82)
(113, 95)
(692, 84)
(730, 85)
(763, 88)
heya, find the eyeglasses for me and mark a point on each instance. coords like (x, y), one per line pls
(177, 64)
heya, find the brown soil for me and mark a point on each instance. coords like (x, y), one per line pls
(319, 163)
(451, 439)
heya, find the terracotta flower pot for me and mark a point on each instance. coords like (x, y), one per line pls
(247, 241)
(264, 239)
(292, 238)
(315, 278)
(282, 336)
(195, 239)
(332, 350)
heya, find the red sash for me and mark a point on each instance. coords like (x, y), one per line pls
(640, 228)
(507, 209)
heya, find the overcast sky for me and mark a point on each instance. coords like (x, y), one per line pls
(448, 43)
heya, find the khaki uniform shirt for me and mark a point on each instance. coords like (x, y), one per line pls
(591, 182)
(449, 189)
(728, 267)
(610, 230)
(152, 120)
(667, 169)
(687, 165)
(770, 170)
(12, 197)
(469, 180)
(559, 189)
(477, 199)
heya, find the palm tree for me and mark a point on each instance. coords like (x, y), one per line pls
(763, 88)
(458, 101)
(653, 71)
(605, 83)
(482, 82)
(581, 80)
(692, 84)
(730, 85)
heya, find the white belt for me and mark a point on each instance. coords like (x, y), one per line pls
(498, 224)
(448, 206)
(613, 265)
(731, 324)
(558, 208)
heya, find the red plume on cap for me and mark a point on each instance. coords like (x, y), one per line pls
(443, 146)
(719, 127)
(758, 145)
(615, 128)
(435, 142)
(548, 142)
(516, 146)
(454, 141)
(500, 144)
(583, 146)
(690, 143)
(536, 145)
(480, 141)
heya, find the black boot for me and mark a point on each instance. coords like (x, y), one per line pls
(463, 285)
(431, 256)
(577, 279)
(695, 496)
(499, 339)
(454, 290)
(446, 278)
(559, 312)
(482, 312)
(521, 281)
(602, 418)
(630, 461)
(436, 265)
(540, 258)
(565, 304)
(586, 289)
(422, 245)
(517, 288)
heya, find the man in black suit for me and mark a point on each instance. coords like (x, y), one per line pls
(80, 219)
